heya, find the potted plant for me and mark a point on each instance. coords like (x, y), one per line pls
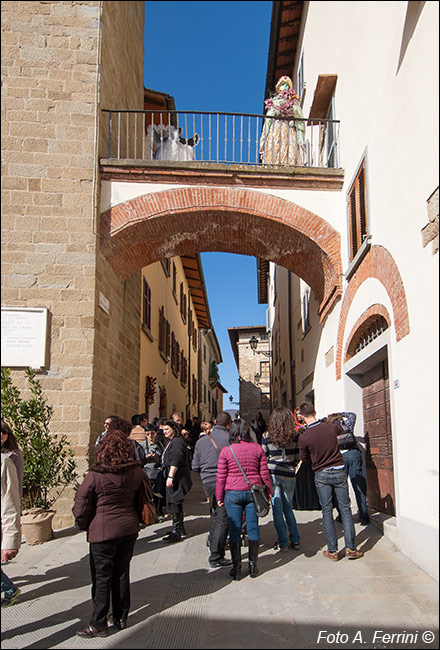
(49, 465)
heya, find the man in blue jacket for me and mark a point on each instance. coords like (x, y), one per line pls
(205, 461)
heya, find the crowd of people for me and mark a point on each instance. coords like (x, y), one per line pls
(298, 460)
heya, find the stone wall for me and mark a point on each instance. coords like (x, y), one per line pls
(50, 121)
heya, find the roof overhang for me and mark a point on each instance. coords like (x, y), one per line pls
(283, 44)
(262, 276)
(324, 90)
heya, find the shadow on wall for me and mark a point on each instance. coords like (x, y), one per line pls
(252, 401)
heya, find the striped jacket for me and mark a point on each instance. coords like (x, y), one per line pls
(281, 462)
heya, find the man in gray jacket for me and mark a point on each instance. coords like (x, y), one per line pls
(205, 461)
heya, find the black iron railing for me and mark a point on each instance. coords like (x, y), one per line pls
(231, 138)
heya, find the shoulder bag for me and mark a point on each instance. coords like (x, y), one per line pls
(259, 494)
(145, 503)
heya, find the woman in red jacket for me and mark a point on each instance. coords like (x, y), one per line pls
(105, 508)
(233, 492)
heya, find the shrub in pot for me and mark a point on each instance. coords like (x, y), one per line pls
(49, 464)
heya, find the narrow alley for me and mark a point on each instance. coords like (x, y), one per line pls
(299, 600)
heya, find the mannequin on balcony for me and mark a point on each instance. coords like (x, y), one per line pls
(282, 141)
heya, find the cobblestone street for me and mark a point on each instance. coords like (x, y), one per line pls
(299, 600)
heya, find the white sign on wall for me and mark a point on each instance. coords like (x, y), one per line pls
(24, 337)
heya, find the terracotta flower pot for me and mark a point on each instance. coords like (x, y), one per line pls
(36, 525)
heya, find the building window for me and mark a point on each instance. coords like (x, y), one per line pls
(265, 400)
(300, 83)
(175, 355)
(146, 305)
(194, 389)
(183, 303)
(167, 340)
(264, 371)
(183, 369)
(166, 265)
(332, 159)
(163, 334)
(357, 211)
(204, 393)
(204, 353)
(305, 311)
(174, 280)
(194, 337)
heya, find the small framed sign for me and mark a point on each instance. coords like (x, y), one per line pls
(24, 334)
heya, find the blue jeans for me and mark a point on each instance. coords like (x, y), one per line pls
(355, 470)
(282, 499)
(8, 586)
(329, 482)
(238, 502)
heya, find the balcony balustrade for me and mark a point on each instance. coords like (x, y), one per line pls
(227, 138)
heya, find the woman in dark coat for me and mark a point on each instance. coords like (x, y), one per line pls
(105, 506)
(176, 466)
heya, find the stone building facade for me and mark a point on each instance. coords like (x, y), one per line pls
(63, 62)
(253, 370)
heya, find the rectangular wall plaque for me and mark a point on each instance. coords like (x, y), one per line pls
(24, 334)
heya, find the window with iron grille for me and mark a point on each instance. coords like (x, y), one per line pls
(357, 211)
(374, 328)
(146, 305)
(305, 311)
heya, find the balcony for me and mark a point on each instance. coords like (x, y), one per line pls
(217, 145)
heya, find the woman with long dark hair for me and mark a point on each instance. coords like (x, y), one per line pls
(105, 506)
(233, 492)
(176, 468)
(280, 444)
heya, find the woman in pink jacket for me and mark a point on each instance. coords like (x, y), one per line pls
(233, 492)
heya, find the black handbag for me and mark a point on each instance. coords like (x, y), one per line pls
(259, 494)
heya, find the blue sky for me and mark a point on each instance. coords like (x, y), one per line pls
(212, 56)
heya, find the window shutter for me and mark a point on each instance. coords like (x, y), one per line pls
(161, 330)
(357, 209)
(167, 339)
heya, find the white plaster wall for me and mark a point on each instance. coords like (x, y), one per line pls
(390, 113)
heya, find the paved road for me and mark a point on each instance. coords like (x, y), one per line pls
(299, 600)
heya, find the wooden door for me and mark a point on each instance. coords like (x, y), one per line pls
(378, 437)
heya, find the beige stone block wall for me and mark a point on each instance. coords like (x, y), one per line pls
(117, 340)
(50, 189)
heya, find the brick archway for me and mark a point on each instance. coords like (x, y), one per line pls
(189, 220)
(379, 264)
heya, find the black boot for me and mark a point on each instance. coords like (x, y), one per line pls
(235, 548)
(175, 535)
(180, 527)
(253, 545)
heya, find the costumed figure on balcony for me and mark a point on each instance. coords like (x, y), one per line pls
(282, 140)
(165, 142)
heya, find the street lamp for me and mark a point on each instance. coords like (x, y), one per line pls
(257, 378)
(231, 398)
(253, 342)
